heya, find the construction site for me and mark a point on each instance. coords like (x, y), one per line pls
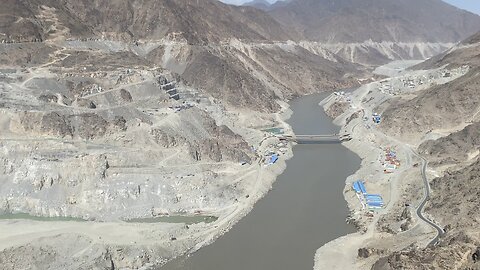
(156, 135)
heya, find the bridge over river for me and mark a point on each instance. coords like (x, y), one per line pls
(312, 139)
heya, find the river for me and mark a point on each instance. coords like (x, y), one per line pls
(305, 210)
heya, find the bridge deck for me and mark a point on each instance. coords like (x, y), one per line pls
(316, 138)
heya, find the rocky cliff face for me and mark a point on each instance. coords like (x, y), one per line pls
(85, 126)
(204, 139)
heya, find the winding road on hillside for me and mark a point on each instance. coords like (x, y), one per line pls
(426, 197)
(421, 206)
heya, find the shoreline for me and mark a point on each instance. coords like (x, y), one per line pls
(368, 144)
(206, 234)
(326, 256)
(339, 253)
(238, 214)
(379, 233)
(157, 236)
(263, 190)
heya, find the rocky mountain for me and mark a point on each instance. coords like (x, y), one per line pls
(439, 107)
(116, 110)
(194, 21)
(442, 106)
(453, 110)
(455, 148)
(370, 53)
(196, 40)
(106, 73)
(465, 53)
(256, 76)
(19, 24)
(350, 21)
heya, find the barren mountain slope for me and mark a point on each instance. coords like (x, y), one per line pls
(194, 36)
(92, 134)
(198, 22)
(455, 148)
(378, 20)
(455, 203)
(302, 71)
(474, 39)
(452, 110)
(255, 76)
(439, 107)
(221, 74)
(465, 53)
(26, 54)
(444, 106)
(17, 22)
(371, 53)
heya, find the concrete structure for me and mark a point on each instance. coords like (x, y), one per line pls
(331, 138)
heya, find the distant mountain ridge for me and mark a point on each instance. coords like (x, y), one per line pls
(368, 32)
(260, 4)
(339, 21)
(464, 53)
(376, 20)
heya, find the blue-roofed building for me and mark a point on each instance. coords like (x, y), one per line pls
(373, 196)
(373, 201)
(362, 187)
(273, 158)
(356, 187)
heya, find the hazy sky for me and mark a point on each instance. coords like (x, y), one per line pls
(238, 2)
(470, 5)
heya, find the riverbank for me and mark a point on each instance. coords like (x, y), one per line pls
(305, 209)
(264, 180)
(396, 225)
(156, 243)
